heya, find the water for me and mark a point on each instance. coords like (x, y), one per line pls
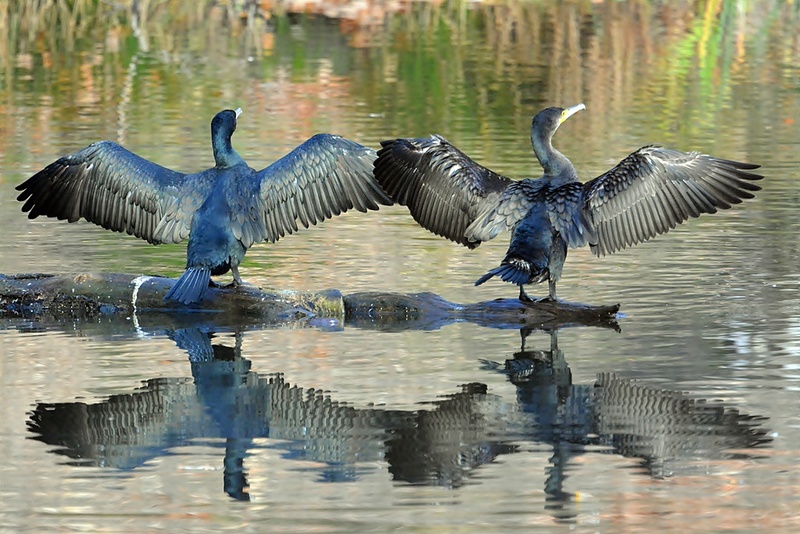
(111, 425)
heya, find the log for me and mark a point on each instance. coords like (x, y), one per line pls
(91, 295)
(423, 311)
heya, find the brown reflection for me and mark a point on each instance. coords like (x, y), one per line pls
(444, 442)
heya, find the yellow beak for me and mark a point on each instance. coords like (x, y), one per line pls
(569, 112)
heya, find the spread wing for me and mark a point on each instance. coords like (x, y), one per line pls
(325, 176)
(445, 190)
(105, 184)
(654, 189)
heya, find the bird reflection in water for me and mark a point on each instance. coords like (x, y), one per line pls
(443, 443)
(665, 429)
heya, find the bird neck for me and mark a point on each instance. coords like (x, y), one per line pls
(552, 161)
(224, 154)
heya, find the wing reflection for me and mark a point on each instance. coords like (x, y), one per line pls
(441, 443)
(670, 431)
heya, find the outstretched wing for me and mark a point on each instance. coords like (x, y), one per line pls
(105, 184)
(445, 190)
(325, 176)
(654, 189)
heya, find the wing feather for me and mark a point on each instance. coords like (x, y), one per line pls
(564, 209)
(445, 190)
(514, 204)
(654, 189)
(324, 176)
(105, 184)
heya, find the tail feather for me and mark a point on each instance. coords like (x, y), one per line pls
(516, 271)
(191, 286)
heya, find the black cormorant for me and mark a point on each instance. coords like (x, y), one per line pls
(223, 210)
(648, 193)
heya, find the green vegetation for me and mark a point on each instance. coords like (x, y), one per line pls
(470, 67)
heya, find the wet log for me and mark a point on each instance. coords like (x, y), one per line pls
(394, 311)
(92, 295)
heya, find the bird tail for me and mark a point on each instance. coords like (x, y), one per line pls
(191, 286)
(515, 271)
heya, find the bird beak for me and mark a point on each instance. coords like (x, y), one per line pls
(239, 112)
(569, 112)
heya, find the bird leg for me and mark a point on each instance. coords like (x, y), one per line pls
(550, 298)
(524, 333)
(552, 284)
(237, 280)
(236, 277)
(524, 296)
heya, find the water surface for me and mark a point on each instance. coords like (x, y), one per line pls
(686, 418)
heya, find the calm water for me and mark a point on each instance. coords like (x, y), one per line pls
(685, 419)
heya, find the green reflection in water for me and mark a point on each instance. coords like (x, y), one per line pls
(716, 76)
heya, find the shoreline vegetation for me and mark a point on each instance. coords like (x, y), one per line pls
(715, 25)
(407, 60)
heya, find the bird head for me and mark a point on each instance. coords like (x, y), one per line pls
(544, 125)
(548, 120)
(222, 127)
(224, 122)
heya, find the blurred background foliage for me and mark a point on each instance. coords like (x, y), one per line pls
(485, 66)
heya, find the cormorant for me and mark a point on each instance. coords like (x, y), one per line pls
(648, 193)
(223, 210)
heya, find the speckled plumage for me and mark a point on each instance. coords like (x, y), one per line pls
(223, 210)
(648, 193)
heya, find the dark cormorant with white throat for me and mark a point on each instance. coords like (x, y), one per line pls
(223, 210)
(648, 193)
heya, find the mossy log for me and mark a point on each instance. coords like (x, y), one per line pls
(91, 295)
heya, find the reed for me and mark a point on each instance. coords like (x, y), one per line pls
(467, 65)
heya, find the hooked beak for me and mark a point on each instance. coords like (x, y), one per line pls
(569, 112)
(239, 112)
